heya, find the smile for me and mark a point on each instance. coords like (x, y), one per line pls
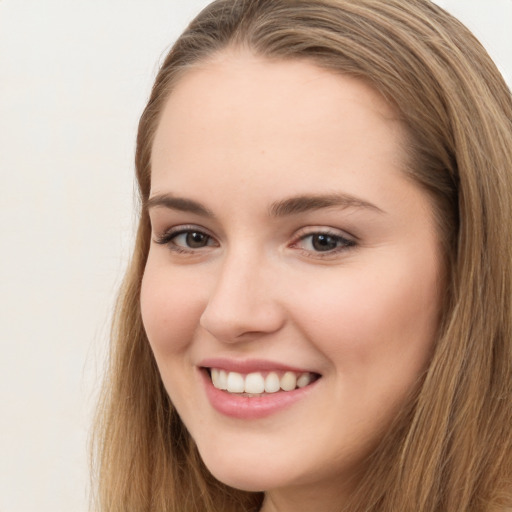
(259, 383)
(249, 390)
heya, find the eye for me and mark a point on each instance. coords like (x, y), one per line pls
(185, 239)
(191, 239)
(324, 242)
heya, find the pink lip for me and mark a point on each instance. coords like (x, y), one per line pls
(248, 366)
(250, 408)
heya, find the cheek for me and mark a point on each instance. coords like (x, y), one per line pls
(170, 310)
(375, 320)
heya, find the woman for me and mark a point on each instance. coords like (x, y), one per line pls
(317, 315)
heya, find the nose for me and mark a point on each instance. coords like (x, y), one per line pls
(243, 303)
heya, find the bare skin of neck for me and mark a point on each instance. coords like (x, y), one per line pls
(301, 499)
(272, 505)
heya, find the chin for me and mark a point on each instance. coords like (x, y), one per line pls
(242, 482)
(246, 473)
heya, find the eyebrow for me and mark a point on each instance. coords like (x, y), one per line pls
(305, 203)
(290, 206)
(178, 203)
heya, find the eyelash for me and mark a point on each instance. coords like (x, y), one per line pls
(168, 238)
(342, 243)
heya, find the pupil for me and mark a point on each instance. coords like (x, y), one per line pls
(324, 243)
(195, 240)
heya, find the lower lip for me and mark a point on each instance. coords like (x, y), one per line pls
(248, 408)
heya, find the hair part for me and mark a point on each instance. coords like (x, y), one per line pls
(451, 446)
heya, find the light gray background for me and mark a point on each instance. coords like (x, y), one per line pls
(74, 76)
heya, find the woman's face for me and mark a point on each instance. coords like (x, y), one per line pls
(294, 263)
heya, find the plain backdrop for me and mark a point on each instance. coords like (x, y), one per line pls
(74, 76)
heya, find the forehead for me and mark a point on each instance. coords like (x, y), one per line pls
(236, 83)
(281, 76)
(240, 114)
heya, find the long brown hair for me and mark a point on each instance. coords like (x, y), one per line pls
(451, 448)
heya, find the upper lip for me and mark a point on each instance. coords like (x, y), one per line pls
(249, 365)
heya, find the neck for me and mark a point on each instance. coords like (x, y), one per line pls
(320, 498)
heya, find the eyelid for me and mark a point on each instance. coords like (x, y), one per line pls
(324, 230)
(348, 241)
(168, 235)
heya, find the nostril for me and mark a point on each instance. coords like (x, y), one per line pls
(239, 324)
(241, 305)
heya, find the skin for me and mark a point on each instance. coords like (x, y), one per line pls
(238, 135)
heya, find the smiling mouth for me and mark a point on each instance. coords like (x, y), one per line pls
(258, 384)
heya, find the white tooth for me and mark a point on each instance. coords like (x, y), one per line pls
(304, 380)
(235, 383)
(272, 383)
(223, 379)
(254, 383)
(214, 373)
(288, 381)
